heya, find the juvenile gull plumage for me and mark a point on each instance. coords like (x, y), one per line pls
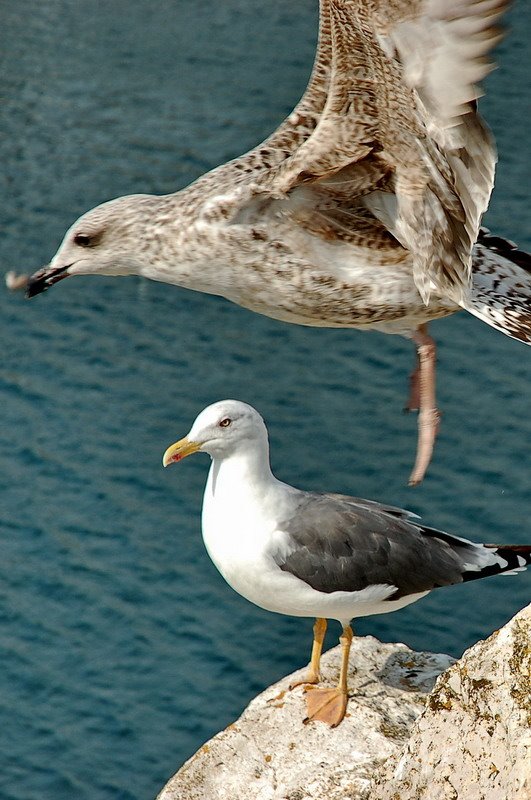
(360, 211)
(318, 555)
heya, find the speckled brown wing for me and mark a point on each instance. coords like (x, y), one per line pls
(423, 168)
(369, 157)
(347, 130)
(443, 48)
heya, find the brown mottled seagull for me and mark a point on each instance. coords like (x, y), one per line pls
(362, 210)
(313, 554)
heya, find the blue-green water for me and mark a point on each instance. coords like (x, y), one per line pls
(122, 649)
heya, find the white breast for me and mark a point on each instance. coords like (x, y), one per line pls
(242, 530)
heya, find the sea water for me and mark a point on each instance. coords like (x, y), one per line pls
(122, 649)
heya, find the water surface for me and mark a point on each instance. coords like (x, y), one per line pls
(122, 648)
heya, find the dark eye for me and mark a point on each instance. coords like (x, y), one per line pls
(225, 423)
(82, 239)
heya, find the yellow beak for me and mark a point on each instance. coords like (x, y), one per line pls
(179, 450)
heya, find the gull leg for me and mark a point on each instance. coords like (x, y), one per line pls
(330, 705)
(313, 676)
(414, 387)
(429, 416)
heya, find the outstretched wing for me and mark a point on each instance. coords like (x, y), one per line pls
(386, 144)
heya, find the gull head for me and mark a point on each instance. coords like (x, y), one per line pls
(111, 239)
(221, 430)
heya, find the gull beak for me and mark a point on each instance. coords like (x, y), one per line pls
(179, 450)
(42, 280)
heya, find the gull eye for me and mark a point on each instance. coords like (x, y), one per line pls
(225, 423)
(82, 239)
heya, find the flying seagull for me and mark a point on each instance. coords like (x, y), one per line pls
(319, 555)
(361, 210)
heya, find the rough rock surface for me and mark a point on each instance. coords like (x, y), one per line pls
(474, 739)
(268, 754)
(470, 739)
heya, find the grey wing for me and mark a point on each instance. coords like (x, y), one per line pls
(374, 505)
(337, 543)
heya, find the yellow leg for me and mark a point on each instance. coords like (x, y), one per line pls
(313, 675)
(346, 641)
(330, 705)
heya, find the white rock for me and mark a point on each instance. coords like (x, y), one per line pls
(268, 754)
(473, 742)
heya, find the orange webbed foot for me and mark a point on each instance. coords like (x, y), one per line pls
(326, 705)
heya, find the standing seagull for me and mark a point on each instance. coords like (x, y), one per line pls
(361, 210)
(311, 554)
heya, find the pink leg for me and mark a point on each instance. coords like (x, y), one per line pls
(423, 389)
(413, 402)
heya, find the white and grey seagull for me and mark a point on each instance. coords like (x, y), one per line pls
(362, 210)
(319, 555)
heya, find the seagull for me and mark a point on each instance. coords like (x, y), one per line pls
(314, 554)
(362, 210)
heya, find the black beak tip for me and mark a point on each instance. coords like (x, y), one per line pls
(36, 284)
(44, 278)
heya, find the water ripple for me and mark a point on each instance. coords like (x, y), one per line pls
(122, 648)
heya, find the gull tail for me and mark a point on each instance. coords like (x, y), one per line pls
(507, 559)
(500, 294)
(481, 560)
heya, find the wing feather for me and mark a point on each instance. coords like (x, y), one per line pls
(393, 103)
(443, 46)
(341, 543)
(388, 125)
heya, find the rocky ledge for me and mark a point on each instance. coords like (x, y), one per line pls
(469, 736)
